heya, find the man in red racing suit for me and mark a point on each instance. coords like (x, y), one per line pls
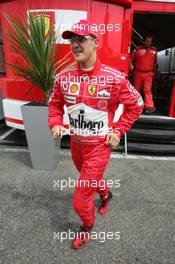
(144, 59)
(92, 92)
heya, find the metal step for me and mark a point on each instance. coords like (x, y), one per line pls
(156, 134)
(11, 137)
(153, 121)
(3, 127)
(158, 149)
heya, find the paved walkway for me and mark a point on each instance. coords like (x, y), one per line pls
(34, 210)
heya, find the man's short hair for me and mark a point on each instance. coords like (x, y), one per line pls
(149, 35)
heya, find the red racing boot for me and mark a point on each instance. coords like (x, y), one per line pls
(104, 203)
(82, 237)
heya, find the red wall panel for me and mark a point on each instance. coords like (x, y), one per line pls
(109, 17)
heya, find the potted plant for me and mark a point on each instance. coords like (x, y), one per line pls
(39, 65)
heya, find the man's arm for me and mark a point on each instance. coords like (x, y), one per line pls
(56, 110)
(132, 61)
(133, 106)
(155, 63)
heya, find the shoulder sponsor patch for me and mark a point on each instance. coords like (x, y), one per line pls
(140, 101)
(153, 52)
(70, 99)
(130, 87)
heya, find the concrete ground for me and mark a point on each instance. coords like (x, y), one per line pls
(34, 210)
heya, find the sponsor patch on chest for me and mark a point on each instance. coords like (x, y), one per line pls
(103, 104)
(92, 90)
(70, 88)
(98, 91)
(64, 87)
(104, 93)
(70, 99)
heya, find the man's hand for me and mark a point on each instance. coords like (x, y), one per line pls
(131, 68)
(57, 131)
(112, 140)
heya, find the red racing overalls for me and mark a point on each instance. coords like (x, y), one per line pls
(92, 98)
(144, 59)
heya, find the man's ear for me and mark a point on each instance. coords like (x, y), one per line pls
(96, 43)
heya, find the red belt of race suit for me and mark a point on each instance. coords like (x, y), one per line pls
(88, 139)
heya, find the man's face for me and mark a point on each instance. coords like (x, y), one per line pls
(83, 48)
(148, 42)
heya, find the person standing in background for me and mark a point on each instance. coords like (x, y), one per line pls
(144, 63)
